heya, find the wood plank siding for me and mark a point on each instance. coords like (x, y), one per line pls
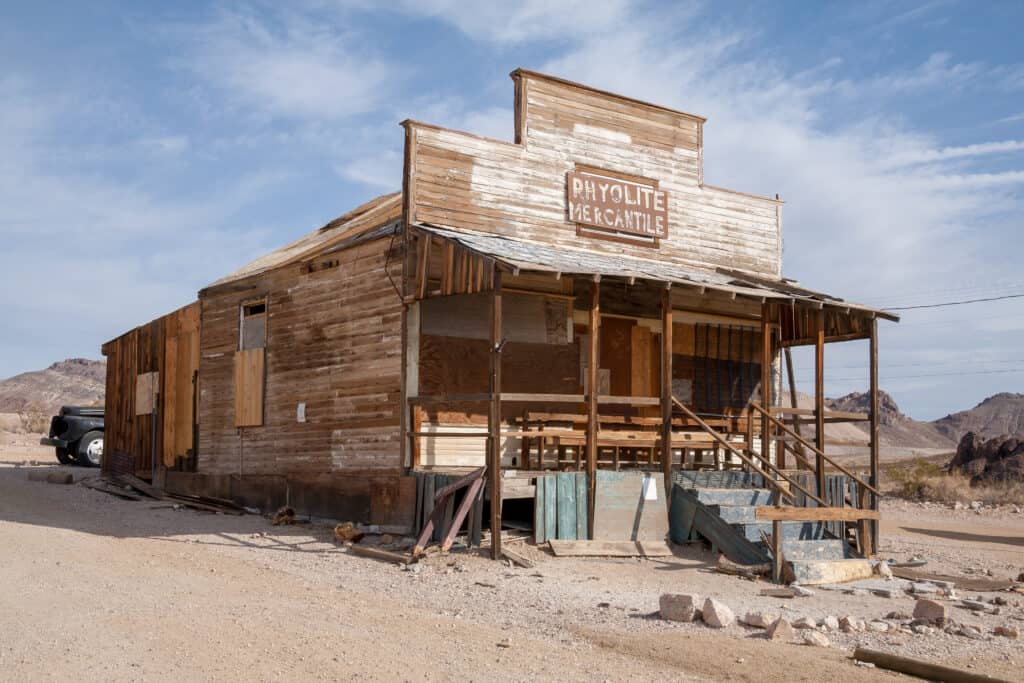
(333, 343)
(465, 181)
(165, 352)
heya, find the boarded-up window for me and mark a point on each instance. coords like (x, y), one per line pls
(249, 388)
(146, 386)
(252, 332)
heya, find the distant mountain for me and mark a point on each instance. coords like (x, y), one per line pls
(75, 381)
(995, 416)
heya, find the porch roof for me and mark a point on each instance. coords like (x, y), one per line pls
(524, 255)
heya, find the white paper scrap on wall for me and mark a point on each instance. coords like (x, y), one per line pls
(300, 413)
(650, 490)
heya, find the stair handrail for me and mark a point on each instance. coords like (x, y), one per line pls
(759, 408)
(750, 463)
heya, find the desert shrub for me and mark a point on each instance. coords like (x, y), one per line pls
(924, 480)
(34, 422)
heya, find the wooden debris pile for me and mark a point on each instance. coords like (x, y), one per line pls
(130, 487)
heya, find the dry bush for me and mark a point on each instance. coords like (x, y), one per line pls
(34, 422)
(924, 480)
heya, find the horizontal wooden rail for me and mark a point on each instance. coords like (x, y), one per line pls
(836, 414)
(507, 397)
(473, 435)
(770, 513)
(813, 448)
(448, 398)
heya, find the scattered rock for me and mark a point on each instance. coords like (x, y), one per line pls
(976, 505)
(716, 614)
(386, 539)
(760, 619)
(805, 623)
(878, 626)
(978, 606)
(973, 632)
(816, 639)
(923, 588)
(830, 623)
(781, 630)
(505, 642)
(929, 610)
(850, 625)
(898, 616)
(1006, 631)
(885, 592)
(883, 570)
(922, 629)
(857, 592)
(801, 592)
(679, 606)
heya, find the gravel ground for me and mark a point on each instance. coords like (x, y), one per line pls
(99, 587)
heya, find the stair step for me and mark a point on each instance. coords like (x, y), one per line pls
(720, 496)
(790, 530)
(817, 572)
(823, 549)
(734, 514)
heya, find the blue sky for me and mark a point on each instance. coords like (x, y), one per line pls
(148, 148)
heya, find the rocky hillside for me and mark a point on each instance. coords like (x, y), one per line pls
(896, 429)
(995, 416)
(76, 381)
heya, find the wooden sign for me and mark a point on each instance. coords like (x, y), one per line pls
(615, 204)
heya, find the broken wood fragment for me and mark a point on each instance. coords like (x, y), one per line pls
(517, 559)
(379, 554)
(920, 668)
(610, 548)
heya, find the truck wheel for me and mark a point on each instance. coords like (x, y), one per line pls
(90, 449)
(64, 457)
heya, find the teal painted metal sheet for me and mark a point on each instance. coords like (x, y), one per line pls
(539, 496)
(566, 505)
(582, 510)
(550, 508)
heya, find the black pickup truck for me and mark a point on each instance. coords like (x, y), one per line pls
(77, 434)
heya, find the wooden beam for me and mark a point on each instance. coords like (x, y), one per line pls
(792, 398)
(819, 401)
(666, 387)
(766, 385)
(873, 407)
(424, 269)
(771, 513)
(921, 669)
(494, 418)
(592, 390)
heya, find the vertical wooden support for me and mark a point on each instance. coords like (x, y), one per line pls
(777, 559)
(819, 403)
(666, 386)
(798, 447)
(766, 379)
(874, 425)
(592, 389)
(494, 419)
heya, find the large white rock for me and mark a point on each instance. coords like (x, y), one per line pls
(816, 639)
(717, 614)
(929, 610)
(781, 630)
(680, 606)
(760, 619)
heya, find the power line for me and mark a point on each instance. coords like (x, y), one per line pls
(958, 303)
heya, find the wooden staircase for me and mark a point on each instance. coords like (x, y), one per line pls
(766, 515)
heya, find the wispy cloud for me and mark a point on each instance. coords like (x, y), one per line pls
(288, 65)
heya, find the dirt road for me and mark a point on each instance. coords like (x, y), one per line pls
(94, 587)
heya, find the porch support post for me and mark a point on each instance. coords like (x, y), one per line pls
(592, 390)
(874, 426)
(766, 382)
(494, 418)
(819, 402)
(793, 404)
(666, 388)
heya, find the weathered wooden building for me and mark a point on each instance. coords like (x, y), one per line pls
(578, 299)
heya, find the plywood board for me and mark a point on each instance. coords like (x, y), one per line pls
(249, 388)
(640, 367)
(630, 506)
(146, 386)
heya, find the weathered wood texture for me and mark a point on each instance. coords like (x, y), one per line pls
(249, 387)
(165, 353)
(334, 344)
(465, 181)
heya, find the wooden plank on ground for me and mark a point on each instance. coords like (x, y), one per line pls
(610, 548)
(380, 554)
